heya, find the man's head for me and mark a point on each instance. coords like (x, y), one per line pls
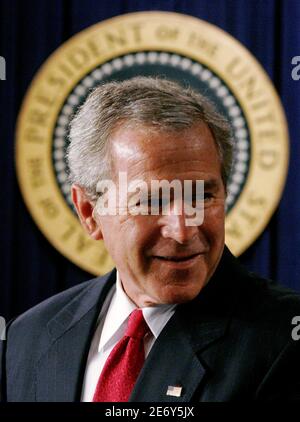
(152, 129)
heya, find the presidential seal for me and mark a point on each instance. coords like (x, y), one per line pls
(183, 48)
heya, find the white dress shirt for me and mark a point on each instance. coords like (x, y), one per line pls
(111, 326)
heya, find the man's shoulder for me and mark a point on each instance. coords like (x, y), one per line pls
(256, 304)
(38, 316)
(253, 293)
(265, 312)
(267, 296)
(31, 335)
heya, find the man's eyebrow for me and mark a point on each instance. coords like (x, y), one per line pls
(208, 184)
(211, 184)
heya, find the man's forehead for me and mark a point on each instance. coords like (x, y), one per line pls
(149, 153)
(129, 139)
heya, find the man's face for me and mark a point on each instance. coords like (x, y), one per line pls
(160, 259)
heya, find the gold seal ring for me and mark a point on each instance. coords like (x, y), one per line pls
(150, 43)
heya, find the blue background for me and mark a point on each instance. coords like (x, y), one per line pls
(30, 268)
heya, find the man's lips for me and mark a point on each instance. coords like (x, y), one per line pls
(177, 258)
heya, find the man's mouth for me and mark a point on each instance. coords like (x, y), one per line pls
(177, 258)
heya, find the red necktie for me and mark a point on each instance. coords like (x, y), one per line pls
(124, 363)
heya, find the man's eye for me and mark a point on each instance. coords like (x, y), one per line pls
(146, 203)
(156, 204)
(208, 196)
(198, 198)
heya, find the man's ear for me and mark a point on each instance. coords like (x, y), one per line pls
(85, 207)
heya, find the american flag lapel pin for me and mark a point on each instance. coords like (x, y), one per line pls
(174, 390)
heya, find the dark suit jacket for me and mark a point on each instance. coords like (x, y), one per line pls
(233, 342)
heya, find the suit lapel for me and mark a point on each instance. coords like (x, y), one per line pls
(60, 371)
(175, 359)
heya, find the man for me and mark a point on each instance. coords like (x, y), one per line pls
(178, 319)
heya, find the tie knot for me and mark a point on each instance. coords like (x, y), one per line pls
(137, 326)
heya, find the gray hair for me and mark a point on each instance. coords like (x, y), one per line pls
(146, 101)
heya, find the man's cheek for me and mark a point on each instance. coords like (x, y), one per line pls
(214, 223)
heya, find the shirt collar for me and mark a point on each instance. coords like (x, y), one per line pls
(119, 310)
(121, 307)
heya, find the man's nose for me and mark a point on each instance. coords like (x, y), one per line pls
(175, 227)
